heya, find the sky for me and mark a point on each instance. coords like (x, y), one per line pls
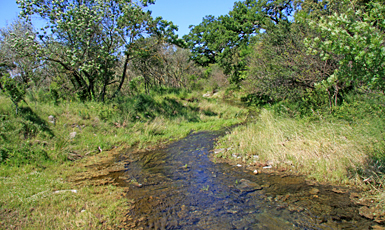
(181, 12)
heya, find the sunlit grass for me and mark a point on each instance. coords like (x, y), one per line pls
(27, 196)
(43, 200)
(329, 151)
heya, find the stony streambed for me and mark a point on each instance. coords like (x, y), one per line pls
(179, 187)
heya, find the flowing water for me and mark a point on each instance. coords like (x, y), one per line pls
(179, 187)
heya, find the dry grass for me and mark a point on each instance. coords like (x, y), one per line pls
(327, 151)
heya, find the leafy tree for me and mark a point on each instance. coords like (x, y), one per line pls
(86, 39)
(25, 68)
(16, 70)
(280, 68)
(164, 64)
(357, 37)
(225, 40)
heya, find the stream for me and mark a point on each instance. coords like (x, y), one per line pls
(179, 187)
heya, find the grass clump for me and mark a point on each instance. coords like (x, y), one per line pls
(327, 151)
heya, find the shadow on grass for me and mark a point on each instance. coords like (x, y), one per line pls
(15, 151)
(145, 107)
(33, 123)
(209, 113)
(373, 171)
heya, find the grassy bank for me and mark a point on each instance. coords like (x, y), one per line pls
(40, 158)
(345, 146)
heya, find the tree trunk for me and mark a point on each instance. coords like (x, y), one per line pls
(330, 99)
(335, 94)
(103, 93)
(123, 76)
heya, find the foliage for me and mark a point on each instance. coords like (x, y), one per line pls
(280, 69)
(357, 36)
(13, 89)
(25, 69)
(164, 64)
(85, 40)
(225, 40)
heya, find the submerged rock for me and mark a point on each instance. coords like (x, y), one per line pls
(373, 213)
(314, 191)
(247, 186)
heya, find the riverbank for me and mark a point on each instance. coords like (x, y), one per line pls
(327, 151)
(43, 158)
(54, 173)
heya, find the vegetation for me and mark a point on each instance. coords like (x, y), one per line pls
(39, 158)
(106, 74)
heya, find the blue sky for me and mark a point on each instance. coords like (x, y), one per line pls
(182, 12)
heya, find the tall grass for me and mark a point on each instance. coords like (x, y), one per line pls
(329, 151)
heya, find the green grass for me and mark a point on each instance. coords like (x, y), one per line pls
(141, 120)
(32, 199)
(36, 156)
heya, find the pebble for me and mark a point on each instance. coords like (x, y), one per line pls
(268, 167)
(238, 165)
(255, 172)
(73, 135)
(219, 150)
(51, 119)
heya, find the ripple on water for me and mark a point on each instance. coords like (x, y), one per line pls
(183, 189)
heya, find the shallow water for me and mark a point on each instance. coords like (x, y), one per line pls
(180, 188)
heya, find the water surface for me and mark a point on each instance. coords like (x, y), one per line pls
(178, 187)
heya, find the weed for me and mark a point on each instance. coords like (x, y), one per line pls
(205, 188)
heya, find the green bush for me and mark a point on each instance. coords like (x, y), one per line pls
(25, 154)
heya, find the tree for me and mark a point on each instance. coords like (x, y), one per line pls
(226, 40)
(86, 38)
(17, 70)
(280, 68)
(357, 36)
(24, 67)
(166, 64)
